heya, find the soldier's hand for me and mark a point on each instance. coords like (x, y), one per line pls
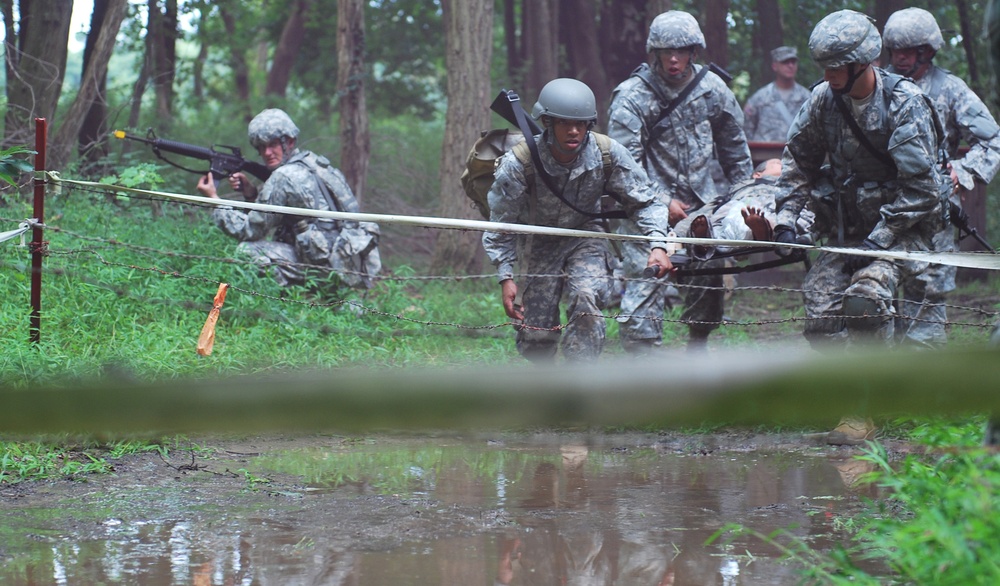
(784, 235)
(678, 211)
(659, 261)
(508, 293)
(206, 185)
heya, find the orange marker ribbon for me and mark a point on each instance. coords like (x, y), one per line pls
(207, 338)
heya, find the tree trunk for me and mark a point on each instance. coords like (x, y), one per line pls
(769, 34)
(967, 39)
(38, 53)
(716, 30)
(581, 38)
(61, 148)
(355, 149)
(288, 49)
(511, 39)
(237, 58)
(90, 139)
(624, 29)
(541, 44)
(162, 28)
(469, 50)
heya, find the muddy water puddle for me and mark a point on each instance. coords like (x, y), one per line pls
(547, 509)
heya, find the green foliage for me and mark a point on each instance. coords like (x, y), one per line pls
(940, 523)
(11, 166)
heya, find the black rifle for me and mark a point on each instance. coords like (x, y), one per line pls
(220, 164)
(961, 221)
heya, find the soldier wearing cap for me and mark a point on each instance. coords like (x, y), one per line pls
(286, 246)
(674, 116)
(770, 110)
(913, 38)
(578, 269)
(876, 130)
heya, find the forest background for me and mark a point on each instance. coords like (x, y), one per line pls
(392, 91)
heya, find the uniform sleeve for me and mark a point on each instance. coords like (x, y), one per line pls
(630, 184)
(255, 225)
(507, 199)
(730, 140)
(979, 130)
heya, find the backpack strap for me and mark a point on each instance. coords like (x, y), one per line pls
(644, 73)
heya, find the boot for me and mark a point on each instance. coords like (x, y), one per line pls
(852, 431)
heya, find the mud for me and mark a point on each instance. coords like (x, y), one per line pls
(512, 508)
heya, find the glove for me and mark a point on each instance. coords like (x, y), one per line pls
(785, 235)
(855, 263)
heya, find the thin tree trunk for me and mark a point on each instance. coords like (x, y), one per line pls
(579, 28)
(237, 60)
(469, 46)
(541, 43)
(511, 37)
(769, 34)
(61, 148)
(34, 85)
(716, 29)
(967, 39)
(355, 148)
(90, 140)
(288, 49)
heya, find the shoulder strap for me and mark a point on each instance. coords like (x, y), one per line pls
(532, 146)
(646, 76)
(859, 134)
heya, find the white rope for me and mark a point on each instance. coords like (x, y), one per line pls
(972, 260)
(21, 229)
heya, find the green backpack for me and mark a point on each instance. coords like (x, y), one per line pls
(477, 178)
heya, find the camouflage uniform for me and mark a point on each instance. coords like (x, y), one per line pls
(898, 207)
(726, 213)
(584, 264)
(965, 118)
(708, 122)
(281, 243)
(770, 110)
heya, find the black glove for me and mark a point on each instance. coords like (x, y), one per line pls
(855, 263)
(785, 235)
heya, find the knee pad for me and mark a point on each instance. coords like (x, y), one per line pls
(863, 313)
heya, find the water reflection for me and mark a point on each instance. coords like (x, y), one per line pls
(586, 511)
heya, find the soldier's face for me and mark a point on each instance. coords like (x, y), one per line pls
(911, 61)
(837, 76)
(674, 63)
(569, 136)
(786, 69)
(273, 154)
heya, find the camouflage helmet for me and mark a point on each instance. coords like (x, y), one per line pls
(912, 27)
(844, 37)
(674, 29)
(566, 98)
(271, 124)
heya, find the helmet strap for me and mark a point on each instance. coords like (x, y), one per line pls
(853, 73)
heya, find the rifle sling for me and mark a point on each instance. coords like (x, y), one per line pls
(522, 124)
(659, 127)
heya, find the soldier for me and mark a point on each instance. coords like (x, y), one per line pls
(579, 268)
(281, 244)
(877, 131)
(913, 38)
(672, 116)
(770, 110)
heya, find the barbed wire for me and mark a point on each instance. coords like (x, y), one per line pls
(111, 243)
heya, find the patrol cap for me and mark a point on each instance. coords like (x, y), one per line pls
(844, 37)
(784, 53)
(912, 27)
(674, 29)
